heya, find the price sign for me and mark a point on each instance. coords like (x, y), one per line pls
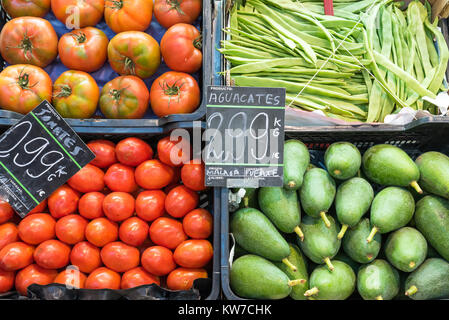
(38, 155)
(245, 137)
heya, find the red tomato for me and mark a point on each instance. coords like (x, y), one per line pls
(167, 232)
(133, 231)
(20, 8)
(193, 253)
(153, 174)
(123, 15)
(103, 278)
(37, 228)
(8, 234)
(88, 179)
(15, 256)
(33, 274)
(181, 48)
(72, 278)
(63, 201)
(150, 205)
(118, 206)
(158, 260)
(52, 254)
(134, 53)
(182, 278)
(193, 175)
(125, 97)
(70, 229)
(138, 277)
(133, 151)
(23, 87)
(180, 201)
(85, 256)
(6, 211)
(169, 12)
(198, 224)
(83, 49)
(120, 178)
(174, 93)
(101, 231)
(175, 181)
(41, 207)
(174, 152)
(104, 151)
(6, 281)
(90, 205)
(29, 40)
(120, 257)
(89, 12)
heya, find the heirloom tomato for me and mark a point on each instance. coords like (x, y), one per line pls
(173, 93)
(83, 49)
(182, 278)
(77, 14)
(124, 15)
(23, 87)
(20, 8)
(170, 12)
(134, 53)
(33, 274)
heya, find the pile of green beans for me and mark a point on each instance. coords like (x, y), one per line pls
(350, 66)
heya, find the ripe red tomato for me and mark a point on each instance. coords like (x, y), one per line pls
(182, 278)
(75, 94)
(83, 49)
(120, 178)
(133, 151)
(33, 274)
(41, 207)
(174, 153)
(8, 234)
(125, 15)
(125, 97)
(103, 278)
(104, 151)
(118, 206)
(20, 8)
(6, 280)
(138, 277)
(71, 277)
(15, 256)
(29, 40)
(85, 256)
(23, 87)
(134, 53)
(181, 48)
(70, 229)
(180, 201)
(158, 260)
(193, 175)
(6, 211)
(37, 228)
(133, 231)
(63, 201)
(101, 231)
(193, 253)
(90, 205)
(168, 12)
(150, 205)
(198, 224)
(176, 181)
(88, 179)
(52, 254)
(120, 257)
(153, 174)
(174, 93)
(89, 12)
(167, 232)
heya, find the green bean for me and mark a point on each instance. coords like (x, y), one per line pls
(444, 57)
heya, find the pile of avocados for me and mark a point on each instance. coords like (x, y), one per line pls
(375, 227)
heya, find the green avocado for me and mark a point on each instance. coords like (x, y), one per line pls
(430, 281)
(342, 160)
(378, 281)
(434, 173)
(356, 246)
(296, 161)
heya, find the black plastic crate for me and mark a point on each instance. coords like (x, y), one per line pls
(430, 134)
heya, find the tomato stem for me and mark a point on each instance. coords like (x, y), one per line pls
(116, 4)
(175, 5)
(129, 65)
(64, 92)
(24, 80)
(171, 90)
(80, 37)
(117, 93)
(198, 42)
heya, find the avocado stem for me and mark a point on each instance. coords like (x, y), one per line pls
(293, 283)
(416, 186)
(289, 264)
(412, 264)
(337, 172)
(379, 298)
(411, 291)
(342, 231)
(372, 234)
(329, 264)
(325, 219)
(291, 184)
(246, 202)
(299, 233)
(311, 292)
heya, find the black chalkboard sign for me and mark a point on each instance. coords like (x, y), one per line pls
(38, 155)
(245, 136)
